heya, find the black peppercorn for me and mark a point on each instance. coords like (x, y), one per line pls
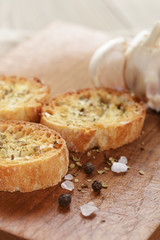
(97, 185)
(64, 200)
(88, 167)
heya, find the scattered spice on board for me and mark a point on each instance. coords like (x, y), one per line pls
(141, 172)
(89, 180)
(88, 168)
(75, 159)
(84, 185)
(78, 164)
(97, 186)
(64, 200)
(104, 185)
(72, 165)
(88, 154)
(101, 171)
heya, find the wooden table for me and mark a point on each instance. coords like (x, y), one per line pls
(129, 207)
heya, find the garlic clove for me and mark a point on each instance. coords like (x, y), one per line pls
(107, 64)
(131, 63)
(153, 90)
(142, 67)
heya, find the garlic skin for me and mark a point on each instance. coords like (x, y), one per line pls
(108, 63)
(132, 63)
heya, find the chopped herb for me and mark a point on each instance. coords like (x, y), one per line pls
(78, 164)
(104, 185)
(20, 153)
(106, 168)
(35, 148)
(72, 165)
(83, 185)
(3, 136)
(89, 180)
(75, 159)
(76, 180)
(111, 160)
(88, 154)
(141, 172)
(100, 171)
(82, 191)
(63, 115)
(79, 189)
(75, 174)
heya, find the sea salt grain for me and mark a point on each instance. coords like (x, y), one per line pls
(68, 177)
(123, 160)
(119, 167)
(88, 208)
(68, 185)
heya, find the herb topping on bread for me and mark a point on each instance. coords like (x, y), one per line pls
(21, 99)
(31, 156)
(98, 117)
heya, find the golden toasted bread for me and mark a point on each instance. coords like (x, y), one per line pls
(32, 156)
(98, 117)
(21, 99)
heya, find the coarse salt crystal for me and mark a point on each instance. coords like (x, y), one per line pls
(68, 185)
(123, 160)
(88, 208)
(27, 157)
(68, 177)
(119, 167)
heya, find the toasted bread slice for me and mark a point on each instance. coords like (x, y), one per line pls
(99, 117)
(32, 156)
(21, 99)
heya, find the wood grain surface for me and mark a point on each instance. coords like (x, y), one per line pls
(129, 207)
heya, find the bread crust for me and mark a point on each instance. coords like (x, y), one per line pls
(105, 132)
(21, 98)
(43, 168)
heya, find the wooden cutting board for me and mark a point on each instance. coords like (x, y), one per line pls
(129, 209)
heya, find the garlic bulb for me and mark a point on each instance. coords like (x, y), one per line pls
(108, 63)
(132, 63)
